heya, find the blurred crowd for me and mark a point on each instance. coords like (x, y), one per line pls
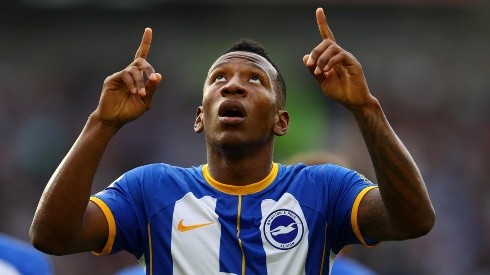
(428, 66)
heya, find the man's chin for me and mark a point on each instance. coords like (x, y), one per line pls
(230, 145)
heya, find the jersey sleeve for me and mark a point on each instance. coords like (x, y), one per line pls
(126, 204)
(345, 190)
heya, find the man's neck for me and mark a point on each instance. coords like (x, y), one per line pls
(240, 167)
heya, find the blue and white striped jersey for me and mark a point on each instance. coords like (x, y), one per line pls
(182, 221)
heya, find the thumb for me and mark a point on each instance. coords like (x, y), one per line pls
(310, 67)
(314, 70)
(150, 87)
(152, 82)
(305, 58)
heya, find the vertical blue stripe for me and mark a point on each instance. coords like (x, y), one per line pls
(161, 239)
(230, 252)
(255, 258)
(230, 255)
(316, 241)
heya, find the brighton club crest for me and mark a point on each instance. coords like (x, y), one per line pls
(283, 229)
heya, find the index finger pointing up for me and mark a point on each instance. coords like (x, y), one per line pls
(321, 21)
(144, 48)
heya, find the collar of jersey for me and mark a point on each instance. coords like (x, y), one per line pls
(241, 190)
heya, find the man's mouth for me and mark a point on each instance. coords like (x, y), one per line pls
(231, 112)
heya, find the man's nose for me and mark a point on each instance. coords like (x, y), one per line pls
(234, 86)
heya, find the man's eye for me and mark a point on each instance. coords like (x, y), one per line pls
(255, 79)
(219, 78)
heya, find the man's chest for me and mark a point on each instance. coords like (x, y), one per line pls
(236, 234)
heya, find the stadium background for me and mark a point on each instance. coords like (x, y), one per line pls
(426, 61)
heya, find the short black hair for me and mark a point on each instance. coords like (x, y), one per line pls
(249, 45)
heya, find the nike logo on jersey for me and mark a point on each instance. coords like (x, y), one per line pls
(183, 228)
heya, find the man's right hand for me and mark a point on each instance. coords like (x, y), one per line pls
(65, 221)
(127, 94)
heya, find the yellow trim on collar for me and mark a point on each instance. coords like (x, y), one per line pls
(111, 224)
(241, 190)
(353, 217)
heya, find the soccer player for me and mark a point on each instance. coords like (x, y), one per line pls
(241, 212)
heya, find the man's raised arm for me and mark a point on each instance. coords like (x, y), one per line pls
(401, 207)
(65, 221)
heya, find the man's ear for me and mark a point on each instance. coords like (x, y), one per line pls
(198, 126)
(282, 123)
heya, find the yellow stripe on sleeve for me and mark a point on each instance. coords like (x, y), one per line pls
(353, 217)
(111, 224)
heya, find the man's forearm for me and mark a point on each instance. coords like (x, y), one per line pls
(402, 188)
(60, 213)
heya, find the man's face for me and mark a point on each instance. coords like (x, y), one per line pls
(240, 103)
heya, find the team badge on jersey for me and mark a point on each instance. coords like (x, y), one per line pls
(283, 229)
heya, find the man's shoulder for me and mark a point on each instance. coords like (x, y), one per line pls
(165, 169)
(151, 177)
(303, 169)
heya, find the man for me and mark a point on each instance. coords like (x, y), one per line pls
(241, 212)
